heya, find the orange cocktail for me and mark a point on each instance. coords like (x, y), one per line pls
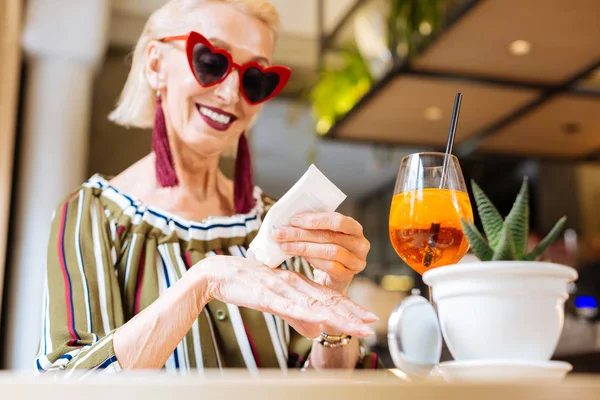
(425, 227)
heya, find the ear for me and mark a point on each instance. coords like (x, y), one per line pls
(155, 67)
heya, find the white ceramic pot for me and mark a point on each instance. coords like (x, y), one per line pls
(502, 310)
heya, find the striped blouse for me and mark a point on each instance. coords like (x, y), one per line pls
(110, 256)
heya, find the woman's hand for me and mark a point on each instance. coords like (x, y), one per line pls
(331, 242)
(304, 304)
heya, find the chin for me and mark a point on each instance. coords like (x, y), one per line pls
(208, 142)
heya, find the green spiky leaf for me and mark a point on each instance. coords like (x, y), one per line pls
(505, 251)
(547, 241)
(478, 244)
(490, 217)
(518, 220)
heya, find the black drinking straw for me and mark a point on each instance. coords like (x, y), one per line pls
(434, 230)
(451, 134)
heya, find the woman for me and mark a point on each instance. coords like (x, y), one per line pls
(133, 282)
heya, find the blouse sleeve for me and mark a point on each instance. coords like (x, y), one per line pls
(82, 302)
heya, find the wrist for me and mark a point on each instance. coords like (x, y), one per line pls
(343, 289)
(201, 285)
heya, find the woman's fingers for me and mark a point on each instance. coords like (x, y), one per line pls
(286, 308)
(302, 316)
(356, 245)
(331, 240)
(335, 222)
(305, 324)
(331, 299)
(333, 270)
(328, 251)
(292, 297)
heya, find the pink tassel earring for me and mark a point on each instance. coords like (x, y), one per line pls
(165, 167)
(243, 192)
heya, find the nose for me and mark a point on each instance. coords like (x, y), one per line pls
(228, 91)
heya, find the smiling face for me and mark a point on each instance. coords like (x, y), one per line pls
(208, 120)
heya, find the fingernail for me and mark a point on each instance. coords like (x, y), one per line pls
(369, 320)
(370, 315)
(288, 247)
(297, 221)
(280, 233)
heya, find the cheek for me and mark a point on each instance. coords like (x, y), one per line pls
(182, 88)
(179, 76)
(181, 82)
(185, 86)
(250, 113)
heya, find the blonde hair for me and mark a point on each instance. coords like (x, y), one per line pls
(136, 104)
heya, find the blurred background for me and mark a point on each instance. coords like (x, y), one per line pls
(373, 81)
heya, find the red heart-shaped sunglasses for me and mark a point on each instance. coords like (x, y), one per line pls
(211, 65)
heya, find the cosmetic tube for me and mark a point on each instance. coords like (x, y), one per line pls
(313, 193)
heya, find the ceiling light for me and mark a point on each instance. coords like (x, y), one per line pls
(402, 49)
(519, 47)
(425, 28)
(323, 126)
(433, 113)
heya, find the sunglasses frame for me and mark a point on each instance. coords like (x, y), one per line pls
(194, 38)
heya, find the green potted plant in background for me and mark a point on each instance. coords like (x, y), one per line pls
(339, 88)
(410, 22)
(508, 306)
(343, 82)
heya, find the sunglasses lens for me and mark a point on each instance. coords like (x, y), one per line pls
(208, 66)
(258, 85)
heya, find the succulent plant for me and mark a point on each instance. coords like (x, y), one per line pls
(506, 238)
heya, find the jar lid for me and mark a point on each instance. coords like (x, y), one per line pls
(414, 336)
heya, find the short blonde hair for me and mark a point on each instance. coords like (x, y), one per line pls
(136, 104)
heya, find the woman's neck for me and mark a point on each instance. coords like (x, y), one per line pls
(202, 191)
(199, 175)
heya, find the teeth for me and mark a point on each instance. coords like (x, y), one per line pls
(217, 117)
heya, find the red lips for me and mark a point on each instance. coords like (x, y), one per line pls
(219, 126)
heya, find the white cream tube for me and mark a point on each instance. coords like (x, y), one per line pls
(313, 193)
